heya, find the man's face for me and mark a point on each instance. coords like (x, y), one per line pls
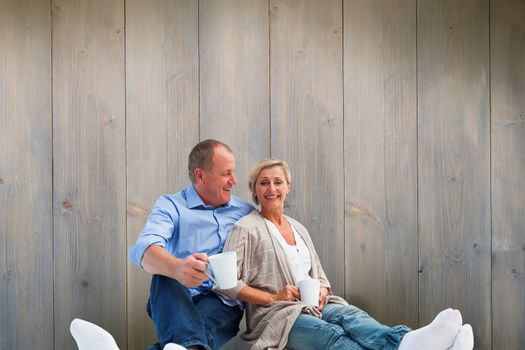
(214, 186)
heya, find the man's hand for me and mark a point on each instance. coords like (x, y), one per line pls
(288, 293)
(190, 270)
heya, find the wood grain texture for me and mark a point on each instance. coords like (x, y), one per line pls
(307, 120)
(162, 125)
(381, 159)
(234, 80)
(508, 173)
(89, 167)
(234, 86)
(454, 162)
(271, 82)
(26, 251)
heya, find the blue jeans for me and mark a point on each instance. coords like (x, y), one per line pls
(343, 327)
(203, 320)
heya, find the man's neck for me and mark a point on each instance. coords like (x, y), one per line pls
(205, 200)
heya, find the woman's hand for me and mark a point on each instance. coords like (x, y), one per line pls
(323, 293)
(288, 293)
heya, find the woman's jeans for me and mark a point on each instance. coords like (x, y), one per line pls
(343, 327)
(178, 318)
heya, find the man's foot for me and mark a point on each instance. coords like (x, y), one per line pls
(438, 335)
(173, 346)
(90, 336)
(464, 339)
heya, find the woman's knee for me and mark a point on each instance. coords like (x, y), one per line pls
(337, 339)
(315, 335)
(334, 312)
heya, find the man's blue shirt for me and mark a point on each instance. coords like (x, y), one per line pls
(183, 225)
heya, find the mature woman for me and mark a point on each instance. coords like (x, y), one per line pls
(275, 252)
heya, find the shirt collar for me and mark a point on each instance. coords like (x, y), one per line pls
(193, 200)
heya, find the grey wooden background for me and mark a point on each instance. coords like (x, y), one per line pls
(403, 121)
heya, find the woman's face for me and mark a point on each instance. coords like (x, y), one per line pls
(271, 188)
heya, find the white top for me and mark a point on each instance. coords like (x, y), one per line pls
(298, 255)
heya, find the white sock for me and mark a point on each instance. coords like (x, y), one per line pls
(90, 336)
(173, 346)
(465, 339)
(438, 335)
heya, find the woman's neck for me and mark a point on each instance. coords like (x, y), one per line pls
(275, 216)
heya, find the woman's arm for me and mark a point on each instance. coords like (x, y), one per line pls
(244, 241)
(256, 296)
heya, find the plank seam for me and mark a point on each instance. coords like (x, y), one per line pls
(52, 169)
(126, 172)
(270, 76)
(417, 170)
(199, 67)
(490, 178)
(344, 148)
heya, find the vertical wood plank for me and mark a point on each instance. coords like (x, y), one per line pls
(454, 162)
(234, 86)
(26, 260)
(162, 105)
(508, 173)
(381, 252)
(306, 77)
(234, 80)
(89, 166)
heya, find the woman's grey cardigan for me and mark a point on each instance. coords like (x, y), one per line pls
(262, 263)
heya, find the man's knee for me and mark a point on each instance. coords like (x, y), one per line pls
(163, 288)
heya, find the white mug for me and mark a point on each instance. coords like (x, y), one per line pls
(309, 289)
(224, 267)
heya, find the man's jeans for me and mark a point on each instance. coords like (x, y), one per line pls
(343, 327)
(178, 318)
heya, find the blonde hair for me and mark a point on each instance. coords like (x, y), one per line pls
(264, 164)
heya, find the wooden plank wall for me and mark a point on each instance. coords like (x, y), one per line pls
(402, 122)
(454, 162)
(508, 173)
(381, 159)
(26, 234)
(89, 167)
(234, 95)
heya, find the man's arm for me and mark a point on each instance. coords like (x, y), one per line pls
(188, 271)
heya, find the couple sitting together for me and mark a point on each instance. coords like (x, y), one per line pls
(274, 253)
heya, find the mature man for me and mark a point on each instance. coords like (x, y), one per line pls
(181, 232)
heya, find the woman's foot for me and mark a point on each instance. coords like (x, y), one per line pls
(438, 335)
(465, 339)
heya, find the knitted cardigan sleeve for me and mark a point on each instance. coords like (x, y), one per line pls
(238, 242)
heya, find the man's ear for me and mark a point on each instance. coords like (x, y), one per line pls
(199, 175)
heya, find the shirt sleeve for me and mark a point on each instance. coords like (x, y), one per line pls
(160, 227)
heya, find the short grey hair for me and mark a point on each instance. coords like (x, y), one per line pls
(201, 156)
(265, 164)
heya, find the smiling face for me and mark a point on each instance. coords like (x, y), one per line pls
(271, 188)
(214, 186)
